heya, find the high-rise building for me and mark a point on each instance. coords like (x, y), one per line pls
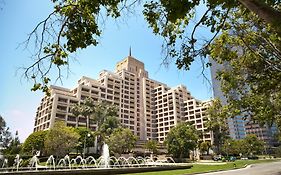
(265, 133)
(238, 126)
(148, 107)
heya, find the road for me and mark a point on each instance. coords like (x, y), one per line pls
(273, 168)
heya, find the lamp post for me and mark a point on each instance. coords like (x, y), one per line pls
(251, 150)
(85, 140)
(228, 149)
(265, 149)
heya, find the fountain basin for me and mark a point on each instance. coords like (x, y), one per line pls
(100, 171)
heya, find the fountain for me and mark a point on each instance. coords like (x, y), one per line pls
(104, 164)
(105, 156)
(1, 156)
(61, 163)
(34, 161)
(5, 163)
(51, 161)
(67, 160)
(90, 160)
(17, 161)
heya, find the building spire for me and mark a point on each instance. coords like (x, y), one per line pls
(130, 52)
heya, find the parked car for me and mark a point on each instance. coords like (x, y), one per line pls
(232, 158)
(217, 158)
(244, 158)
(253, 157)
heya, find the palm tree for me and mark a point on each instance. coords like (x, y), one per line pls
(102, 113)
(86, 108)
(106, 117)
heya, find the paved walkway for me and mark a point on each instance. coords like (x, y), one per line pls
(273, 168)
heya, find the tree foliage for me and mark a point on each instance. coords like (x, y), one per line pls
(71, 26)
(5, 134)
(151, 145)
(253, 144)
(217, 123)
(104, 110)
(79, 26)
(86, 138)
(234, 147)
(102, 113)
(61, 139)
(8, 144)
(205, 147)
(2, 124)
(107, 120)
(14, 146)
(248, 146)
(34, 142)
(175, 22)
(108, 126)
(181, 140)
(85, 109)
(277, 151)
(252, 80)
(122, 140)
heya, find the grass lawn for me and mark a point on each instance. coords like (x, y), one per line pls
(199, 168)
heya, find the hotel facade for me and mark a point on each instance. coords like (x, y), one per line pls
(148, 107)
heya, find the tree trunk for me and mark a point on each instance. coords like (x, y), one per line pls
(87, 122)
(96, 140)
(264, 11)
(77, 121)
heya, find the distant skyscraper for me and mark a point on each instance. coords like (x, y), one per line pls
(148, 107)
(265, 133)
(236, 125)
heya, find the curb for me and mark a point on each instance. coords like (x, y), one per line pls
(213, 171)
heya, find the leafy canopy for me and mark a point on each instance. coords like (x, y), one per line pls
(181, 140)
(217, 123)
(61, 139)
(79, 26)
(151, 145)
(34, 142)
(98, 111)
(251, 81)
(86, 138)
(248, 146)
(14, 146)
(205, 147)
(5, 134)
(102, 113)
(122, 140)
(248, 30)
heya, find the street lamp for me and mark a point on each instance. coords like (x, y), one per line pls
(85, 140)
(251, 150)
(228, 149)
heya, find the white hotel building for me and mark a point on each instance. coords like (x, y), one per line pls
(148, 107)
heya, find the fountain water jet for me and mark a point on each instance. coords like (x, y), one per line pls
(51, 161)
(17, 161)
(105, 156)
(104, 164)
(5, 163)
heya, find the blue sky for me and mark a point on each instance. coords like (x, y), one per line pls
(18, 17)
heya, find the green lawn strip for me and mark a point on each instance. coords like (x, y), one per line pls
(200, 168)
